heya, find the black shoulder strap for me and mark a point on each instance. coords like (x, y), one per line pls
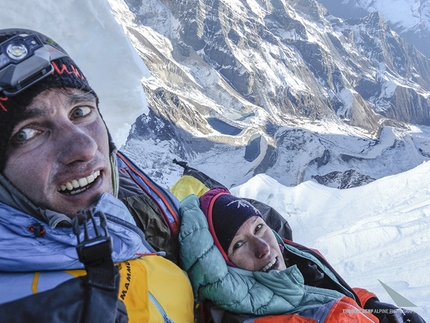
(90, 298)
(202, 177)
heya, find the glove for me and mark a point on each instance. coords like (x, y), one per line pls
(412, 317)
(387, 313)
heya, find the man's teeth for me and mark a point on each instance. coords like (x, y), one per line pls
(79, 183)
(269, 265)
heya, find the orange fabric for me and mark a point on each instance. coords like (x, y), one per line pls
(346, 310)
(364, 295)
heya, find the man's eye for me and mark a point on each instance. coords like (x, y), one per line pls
(80, 112)
(23, 135)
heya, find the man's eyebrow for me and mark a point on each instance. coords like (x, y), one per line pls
(33, 113)
(75, 98)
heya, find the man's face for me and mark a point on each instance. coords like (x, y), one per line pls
(58, 156)
(254, 247)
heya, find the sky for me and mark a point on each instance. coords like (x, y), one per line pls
(376, 233)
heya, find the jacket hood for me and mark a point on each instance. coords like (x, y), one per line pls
(207, 201)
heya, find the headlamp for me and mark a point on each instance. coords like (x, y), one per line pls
(16, 51)
(24, 60)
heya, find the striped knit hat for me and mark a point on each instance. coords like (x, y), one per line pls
(65, 74)
(226, 214)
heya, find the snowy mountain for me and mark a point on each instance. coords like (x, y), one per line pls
(287, 90)
(378, 231)
(275, 87)
(409, 18)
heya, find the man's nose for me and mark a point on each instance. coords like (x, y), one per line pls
(261, 247)
(76, 145)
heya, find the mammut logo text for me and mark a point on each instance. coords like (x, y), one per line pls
(128, 280)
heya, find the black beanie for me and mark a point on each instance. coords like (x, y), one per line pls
(66, 74)
(228, 215)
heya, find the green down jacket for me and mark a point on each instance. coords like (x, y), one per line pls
(239, 290)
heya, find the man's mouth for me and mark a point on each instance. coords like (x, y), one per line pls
(79, 185)
(271, 265)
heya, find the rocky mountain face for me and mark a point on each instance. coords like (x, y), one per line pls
(411, 18)
(277, 87)
(347, 179)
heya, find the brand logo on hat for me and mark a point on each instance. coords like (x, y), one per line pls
(74, 71)
(1, 105)
(243, 203)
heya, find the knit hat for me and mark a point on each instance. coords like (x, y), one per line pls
(226, 214)
(14, 99)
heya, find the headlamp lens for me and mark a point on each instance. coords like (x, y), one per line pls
(24, 60)
(17, 51)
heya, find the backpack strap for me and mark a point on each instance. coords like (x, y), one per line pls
(166, 202)
(90, 298)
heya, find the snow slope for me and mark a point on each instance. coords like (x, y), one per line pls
(380, 231)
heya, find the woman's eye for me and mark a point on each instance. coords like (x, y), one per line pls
(237, 245)
(258, 227)
(80, 112)
(23, 135)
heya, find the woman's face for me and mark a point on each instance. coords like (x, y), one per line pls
(254, 247)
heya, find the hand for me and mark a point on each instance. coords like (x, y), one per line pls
(387, 313)
(412, 317)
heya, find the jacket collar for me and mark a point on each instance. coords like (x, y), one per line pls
(22, 250)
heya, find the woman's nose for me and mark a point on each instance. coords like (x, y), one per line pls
(261, 247)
